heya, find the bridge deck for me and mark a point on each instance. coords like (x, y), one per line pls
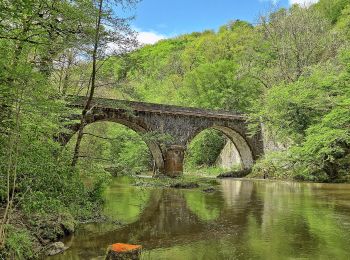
(154, 108)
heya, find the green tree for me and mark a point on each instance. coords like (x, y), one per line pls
(218, 86)
(294, 40)
(109, 28)
(30, 37)
(332, 9)
(205, 148)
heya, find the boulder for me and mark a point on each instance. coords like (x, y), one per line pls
(56, 248)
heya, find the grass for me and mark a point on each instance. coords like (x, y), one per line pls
(18, 245)
(212, 171)
(186, 179)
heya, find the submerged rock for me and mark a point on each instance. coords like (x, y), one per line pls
(184, 185)
(235, 174)
(56, 248)
(209, 190)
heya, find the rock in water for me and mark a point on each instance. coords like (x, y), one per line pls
(184, 185)
(121, 251)
(56, 248)
(209, 190)
(235, 174)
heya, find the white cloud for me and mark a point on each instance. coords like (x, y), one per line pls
(303, 2)
(292, 2)
(274, 2)
(143, 38)
(150, 37)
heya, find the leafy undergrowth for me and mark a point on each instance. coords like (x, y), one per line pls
(212, 171)
(19, 244)
(286, 165)
(50, 211)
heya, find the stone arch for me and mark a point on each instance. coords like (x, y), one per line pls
(245, 152)
(153, 146)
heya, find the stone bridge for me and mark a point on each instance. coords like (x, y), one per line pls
(182, 124)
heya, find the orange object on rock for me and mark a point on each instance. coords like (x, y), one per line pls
(120, 247)
(120, 251)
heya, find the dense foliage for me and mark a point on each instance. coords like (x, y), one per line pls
(205, 149)
(290, 72)
(40, 193)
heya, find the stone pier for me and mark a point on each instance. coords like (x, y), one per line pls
(173, 161)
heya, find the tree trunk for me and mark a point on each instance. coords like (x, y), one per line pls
(93, 85)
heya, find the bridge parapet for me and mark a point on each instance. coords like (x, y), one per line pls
(154, 108)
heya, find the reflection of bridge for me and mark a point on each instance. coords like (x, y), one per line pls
(181, 123)
(170, 218)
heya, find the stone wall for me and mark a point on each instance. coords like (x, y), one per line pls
(270, 142)
(229, 157)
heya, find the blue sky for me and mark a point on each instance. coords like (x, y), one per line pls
(158, 19)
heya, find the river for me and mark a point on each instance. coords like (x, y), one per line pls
(241, 219)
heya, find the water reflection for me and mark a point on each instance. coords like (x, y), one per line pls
(241, 220)
(206, 207)
(123, 201)
(236, 194)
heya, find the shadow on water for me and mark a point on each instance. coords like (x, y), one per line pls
(242, 219)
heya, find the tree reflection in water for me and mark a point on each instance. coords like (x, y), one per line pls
(242, 219)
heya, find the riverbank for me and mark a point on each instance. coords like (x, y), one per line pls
(31, 237)
(41, 236)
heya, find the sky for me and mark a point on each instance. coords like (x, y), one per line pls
(160, 19)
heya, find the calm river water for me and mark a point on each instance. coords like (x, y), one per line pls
(242, 219)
